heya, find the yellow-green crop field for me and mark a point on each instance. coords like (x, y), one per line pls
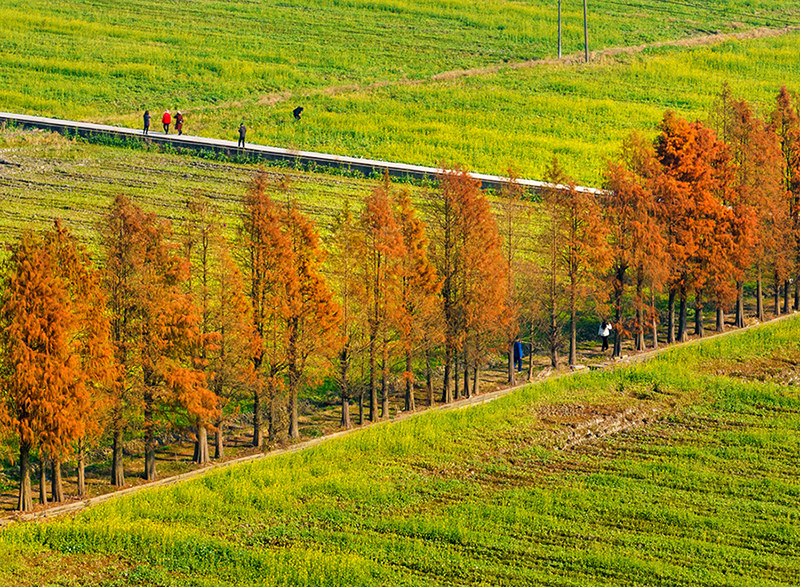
(704, 492)
(45, 176)
(373, 75)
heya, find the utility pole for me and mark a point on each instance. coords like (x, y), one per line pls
(559, 29)
(585, 33)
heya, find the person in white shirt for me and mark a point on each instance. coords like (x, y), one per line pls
(604, 333)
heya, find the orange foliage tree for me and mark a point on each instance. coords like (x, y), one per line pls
(415, 315)
(694, 175)
(218, 289)
(467, 252)
(312, 314)
(786, 124)
(267, 259)
(512, 212)
(381, 248)
(54, 350)
(635, 238)
(344, 262)
(155, 327)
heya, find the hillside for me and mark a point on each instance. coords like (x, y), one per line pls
(679, 471)
(419, 82)
(45, 176)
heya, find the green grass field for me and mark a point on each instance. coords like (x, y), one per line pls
(705, 493)
(44, 176)
(366, 72)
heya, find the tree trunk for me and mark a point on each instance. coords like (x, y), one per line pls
(720, 319)
(361, 408)
(373, 378)
(42, 478)
(759, 297)
(25, 502)
(682, 326)
(202, 456)
(619, 292)
(786, 296)
(512, 371)
(553, 356)
(739, 304)
(457, 378)
(776, 306)
(117, 470)
(344, 364)
(466, 372)
(530, 359)
(797, 291)
(554, 331)
(655, 320)
(385, 379)
(56, 486)
(258, 433)
(671, 317)
(294, 418)
(573, 332)
(699, 328)
(429, 377)
(294, 377)
(447, 394)
(219, 446)
(275, 418)
(639, 341)
(410, 404)
(476, 379)
(149, 434)
(81, 468)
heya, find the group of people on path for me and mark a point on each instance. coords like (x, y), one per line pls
(166, 120)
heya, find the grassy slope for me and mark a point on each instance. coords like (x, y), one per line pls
(46, 176)
(223, 61)
(524, 117)
(705, 496)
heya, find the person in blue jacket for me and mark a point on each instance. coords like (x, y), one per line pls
(518, 354)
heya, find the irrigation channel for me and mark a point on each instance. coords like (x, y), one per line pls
(368, 167)
(615, 426)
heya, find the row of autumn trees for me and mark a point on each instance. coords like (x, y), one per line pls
(179, 327)
(182, 327)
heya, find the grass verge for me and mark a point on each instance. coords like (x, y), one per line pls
(700, 488)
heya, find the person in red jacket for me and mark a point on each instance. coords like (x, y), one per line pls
(166, 120)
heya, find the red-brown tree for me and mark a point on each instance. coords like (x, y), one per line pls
(467, 253)
(155, 326)
(416, 312)
(268, 259)
(344, 263)
(382, 248)
(312, 314)
(54, 351)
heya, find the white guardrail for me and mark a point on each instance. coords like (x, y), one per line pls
(230, 148)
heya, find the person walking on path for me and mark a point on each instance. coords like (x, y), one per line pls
(166, 120)
(179, 122)
(604, 333)
(242, 132)
(146, 122)
(518, 354)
